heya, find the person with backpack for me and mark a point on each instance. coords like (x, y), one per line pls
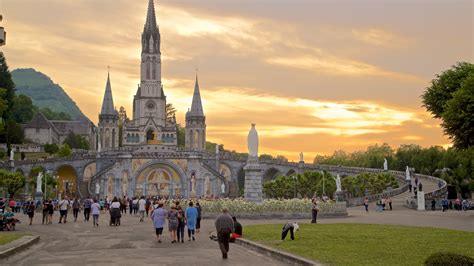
(181, 223)
(75, 208)
(30, 210)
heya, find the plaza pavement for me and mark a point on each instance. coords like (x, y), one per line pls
(134, 243)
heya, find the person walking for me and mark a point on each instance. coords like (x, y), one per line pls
(95, 209)
(158, 216)
(30, 210)
(147, 206)
(366, 204)
(224, 226)
(141, 208)
(75, 208)
(389, 202)
(191, 219)
(45, 212)
(50, 211)
(181, 223)
(135, 205)
(173, 223)
(63, 208)
(198, 221)
(314, 210)
(87, 208)
(130, 205)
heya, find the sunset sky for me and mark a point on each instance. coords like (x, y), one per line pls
(315, 76)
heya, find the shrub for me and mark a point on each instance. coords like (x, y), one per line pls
(448, 259)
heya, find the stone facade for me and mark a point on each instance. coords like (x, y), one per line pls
(42, 131)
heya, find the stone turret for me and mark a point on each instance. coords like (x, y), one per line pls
(108, 120)
(196, 122)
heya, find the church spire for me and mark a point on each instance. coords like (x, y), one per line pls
(151, 33)
(108, 102)
(150, 24)
(196, 106)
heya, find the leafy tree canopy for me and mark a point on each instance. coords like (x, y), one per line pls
(76, 141)
(450, 98)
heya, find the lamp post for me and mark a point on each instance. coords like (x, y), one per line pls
(324, 192)
(296, 180)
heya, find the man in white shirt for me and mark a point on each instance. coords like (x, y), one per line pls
(141, 208)
(63, 207)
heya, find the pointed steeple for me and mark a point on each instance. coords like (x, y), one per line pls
(108, 102)
(150, 24)
(196, 106)
(151, 33)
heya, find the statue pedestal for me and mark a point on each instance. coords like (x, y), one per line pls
(192, 194)
(420, 197)
(339, 196)
(253, 182)
(39, 196)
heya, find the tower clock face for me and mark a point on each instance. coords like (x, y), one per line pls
(150, 104)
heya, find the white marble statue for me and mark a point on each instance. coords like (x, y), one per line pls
(99, 145)
(385, 164)
(301, 157)
(193, 183)
(124, 184)
(252, 142)
(407, 173)
(12, 155)
(39, 181)
(97, 188)
(207, 186)
(338, 183)
(223, 188)
(217, 149)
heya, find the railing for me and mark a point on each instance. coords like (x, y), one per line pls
(218, 175)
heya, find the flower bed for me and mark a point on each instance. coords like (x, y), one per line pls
(271, 208)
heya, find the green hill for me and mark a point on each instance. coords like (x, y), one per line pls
(44, 92)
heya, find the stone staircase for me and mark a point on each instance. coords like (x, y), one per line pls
(218, 175)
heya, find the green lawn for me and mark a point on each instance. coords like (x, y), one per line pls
(7, 237)
(364, 244)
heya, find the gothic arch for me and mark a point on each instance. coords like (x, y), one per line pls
(271, 174)
(139, 176)
(290, 172)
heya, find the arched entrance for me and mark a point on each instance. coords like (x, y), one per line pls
(160, 178)
(271, 174)
(67, 181)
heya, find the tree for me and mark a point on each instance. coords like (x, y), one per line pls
(6, 83)
(76, 141)
(52, 115)
(64, 151)
(23, 109)
(181, 132)
(13, 133)
(170, 111)
(123, 119)
(444, 99)
(51, 148)
(458, 116)
(12, 181)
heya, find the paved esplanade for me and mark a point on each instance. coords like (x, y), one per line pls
(132, 243)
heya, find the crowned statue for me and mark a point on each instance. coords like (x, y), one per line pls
(385, 164)
(12, 155)
(97, 188)
(338, 183)
(407, 173)
(252, 143)
(301, 157)
(39, 181)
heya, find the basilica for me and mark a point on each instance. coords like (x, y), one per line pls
(150, 123)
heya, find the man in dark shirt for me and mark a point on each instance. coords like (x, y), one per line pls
(224, 226)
